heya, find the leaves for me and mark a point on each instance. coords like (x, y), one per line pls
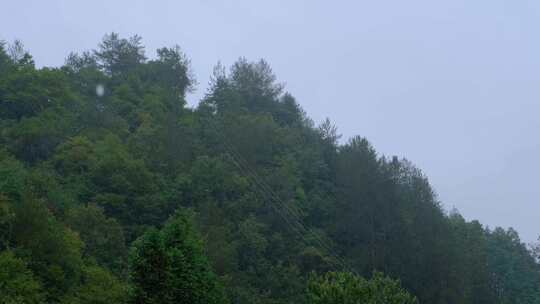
(85, 176)
(17, 284)
(169, 266)
(346, 288)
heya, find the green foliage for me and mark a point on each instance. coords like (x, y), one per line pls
(172, 69)
(346, 288)
(28, 92)
(536, 251)
(117, 55)
(12, 176)
(98, 287)
(103, 237)
(17, 283)
(169, 266)
(83, 175)
(5, 61)
(6, 222)
(514, 272)
(53, 251)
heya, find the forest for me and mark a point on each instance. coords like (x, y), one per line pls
(114, 190)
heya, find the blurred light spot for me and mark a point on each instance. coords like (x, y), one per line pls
(100, 90)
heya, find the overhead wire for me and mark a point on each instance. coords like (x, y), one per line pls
(289, 214)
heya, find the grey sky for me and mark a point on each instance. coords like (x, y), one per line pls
(453, 86)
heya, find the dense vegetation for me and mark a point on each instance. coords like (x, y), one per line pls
(112, 190)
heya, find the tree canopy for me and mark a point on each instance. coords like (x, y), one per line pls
(113, 190)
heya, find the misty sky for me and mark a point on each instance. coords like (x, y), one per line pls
(453, 86)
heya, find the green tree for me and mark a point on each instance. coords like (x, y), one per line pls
(514, 272)
(81, 167)
(12, 176)
(347, 288)
(6, 222)
(536, 250)
(17, 283)
(53, 251)
(99, 287)
(6, 63)
(118, 55)
(169, 266)
(469, 262)
(103, 237)
(172, 69)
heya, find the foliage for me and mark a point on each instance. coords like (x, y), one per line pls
(86, 175)
(169, 266)
(346, 288)
(17, 284)
(103, 237)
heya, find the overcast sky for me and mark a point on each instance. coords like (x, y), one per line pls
(453, 86)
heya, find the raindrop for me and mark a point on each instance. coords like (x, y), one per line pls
(100, 90)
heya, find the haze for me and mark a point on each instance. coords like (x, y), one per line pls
(451, 85)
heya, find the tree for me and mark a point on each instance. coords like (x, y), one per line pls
(99, 287)
(329, 133)
(103, 237)
(536, 251)
(5, 62)
(169, 266)
(119, 55)
(19, 55)
(347, 288)
(250, 86)
(172, 68)
(12, 176)
(53, 251)
(514, 273)
(82, 173)
(17, 283)
(77, 63)
(6, 222)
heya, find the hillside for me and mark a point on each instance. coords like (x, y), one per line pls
(112, 190)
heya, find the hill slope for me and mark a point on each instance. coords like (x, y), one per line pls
(85, 172)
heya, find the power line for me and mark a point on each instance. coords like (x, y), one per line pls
(268, 194)
(291, 212)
